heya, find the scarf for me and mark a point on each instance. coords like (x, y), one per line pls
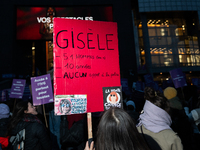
(31, 118)
(154, 118)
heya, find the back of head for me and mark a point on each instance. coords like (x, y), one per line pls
(157, 98)
(117, 131)
(17, 114)
(4, 111)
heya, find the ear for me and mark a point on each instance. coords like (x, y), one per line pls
(25, 111)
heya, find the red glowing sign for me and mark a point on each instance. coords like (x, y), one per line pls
(86, 59)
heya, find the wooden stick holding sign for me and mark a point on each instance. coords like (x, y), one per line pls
(45, 116)
(89, 122)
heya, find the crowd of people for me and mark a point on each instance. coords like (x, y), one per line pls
(149, 120)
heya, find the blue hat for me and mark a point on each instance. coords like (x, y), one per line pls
(130, 102)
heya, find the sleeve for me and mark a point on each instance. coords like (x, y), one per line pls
(177, 145)
(44, 139)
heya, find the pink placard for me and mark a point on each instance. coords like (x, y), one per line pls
(86, 59)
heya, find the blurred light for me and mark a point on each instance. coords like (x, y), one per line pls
(160, 72)
(33, 48)
(167, 78)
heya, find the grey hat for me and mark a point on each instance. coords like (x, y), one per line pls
(4, 111)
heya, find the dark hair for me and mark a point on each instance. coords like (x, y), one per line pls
(17, 115)
(117, 131)
(65, 101)
(157, 98)
(54, 10)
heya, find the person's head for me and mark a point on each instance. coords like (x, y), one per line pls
(117, 130)
(21, 108)
(113, 98)
(24, 107)
(4, 111)
(157, 98)
(51, 11)
(65, 106)
(130, 105)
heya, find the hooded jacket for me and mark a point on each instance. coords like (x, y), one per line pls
(154, 125)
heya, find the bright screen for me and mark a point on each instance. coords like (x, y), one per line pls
(36, 23)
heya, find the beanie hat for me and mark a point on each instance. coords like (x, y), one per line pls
(170, 92)
(4, 111)
(196, 115)
(130, 102)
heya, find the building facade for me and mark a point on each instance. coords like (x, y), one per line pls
(166, 34)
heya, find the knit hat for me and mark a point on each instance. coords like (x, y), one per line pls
(170, 92)
(4, 111)
(196, 115)
(130, 102)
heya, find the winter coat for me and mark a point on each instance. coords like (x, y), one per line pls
(3, 126)
(163, 140)
(36, 137)
(76, 136)
(154, 125)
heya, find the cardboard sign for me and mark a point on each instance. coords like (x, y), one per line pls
(17, 88)
(148, 78)
(41, 90)
(178, 78)
(112, 97)
(140, 86)
(86, 59)
(70, 104)
(196, 81)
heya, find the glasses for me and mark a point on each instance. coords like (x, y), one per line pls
(112, 95)
(65, 105)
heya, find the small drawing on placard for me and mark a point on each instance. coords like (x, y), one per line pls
(70, 104)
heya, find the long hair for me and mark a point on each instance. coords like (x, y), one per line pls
(17, 115)
(157, 98)
(117, 131)
(64, 101)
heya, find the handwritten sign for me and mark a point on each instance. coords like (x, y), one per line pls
(112, 97)
(41, 89)
(70, 104)
(86, 59)
(17, 88)
(178, 78)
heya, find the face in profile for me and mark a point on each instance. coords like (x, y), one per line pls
(65, 106)
(113, 98)
(31, 109)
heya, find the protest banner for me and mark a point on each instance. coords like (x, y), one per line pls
(17, 88)
(86, 59)
(178, 78)
(112, 97)
(41, 89)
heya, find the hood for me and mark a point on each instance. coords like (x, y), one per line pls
(154, 118)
